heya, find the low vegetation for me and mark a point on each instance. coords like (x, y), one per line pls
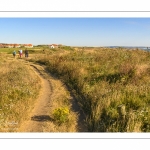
(64, 118)
(19, 88)
(112, 86)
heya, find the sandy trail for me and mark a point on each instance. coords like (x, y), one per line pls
(39, 113)
(38, 118)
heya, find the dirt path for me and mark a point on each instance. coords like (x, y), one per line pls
(38, 118)
(39, 114)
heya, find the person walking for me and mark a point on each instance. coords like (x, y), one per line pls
(14, 54)
(26, 53)
(20, 53)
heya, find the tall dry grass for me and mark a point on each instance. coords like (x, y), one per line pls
(105, 80)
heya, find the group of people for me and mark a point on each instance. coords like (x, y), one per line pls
(20, 52)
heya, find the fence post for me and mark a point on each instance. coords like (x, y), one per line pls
(122, 111)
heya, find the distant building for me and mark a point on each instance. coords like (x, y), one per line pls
(1, 45)
(28, 45)
(9, 45)
(53, 46)
(16, 45)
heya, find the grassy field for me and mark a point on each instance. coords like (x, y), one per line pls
(112, 86)
(18, 89)
(31, 50)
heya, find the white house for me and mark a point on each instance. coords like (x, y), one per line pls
(53, 46)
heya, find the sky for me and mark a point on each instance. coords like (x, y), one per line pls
(76, 31)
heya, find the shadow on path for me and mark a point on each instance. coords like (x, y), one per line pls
(42, 118)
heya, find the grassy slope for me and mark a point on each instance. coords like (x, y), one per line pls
(112, 86)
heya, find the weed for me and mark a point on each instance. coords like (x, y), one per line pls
(61, 115)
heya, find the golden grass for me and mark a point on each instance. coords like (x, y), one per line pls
(142, 69)
(104, 79)
(19, 88)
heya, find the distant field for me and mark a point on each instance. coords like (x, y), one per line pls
(10, 50)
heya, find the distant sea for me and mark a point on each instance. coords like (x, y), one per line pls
(146, 49)
(132, 47)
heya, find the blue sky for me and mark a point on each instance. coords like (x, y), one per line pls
(76, 31)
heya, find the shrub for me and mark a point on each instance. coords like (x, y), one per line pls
(61, 115)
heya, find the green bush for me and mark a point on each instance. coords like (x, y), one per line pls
(61, 115)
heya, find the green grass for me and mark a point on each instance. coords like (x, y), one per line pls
(103, 80)
(31, 50)
(8, 50)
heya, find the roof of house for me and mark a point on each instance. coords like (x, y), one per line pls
(54, 45)
(27, 44)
